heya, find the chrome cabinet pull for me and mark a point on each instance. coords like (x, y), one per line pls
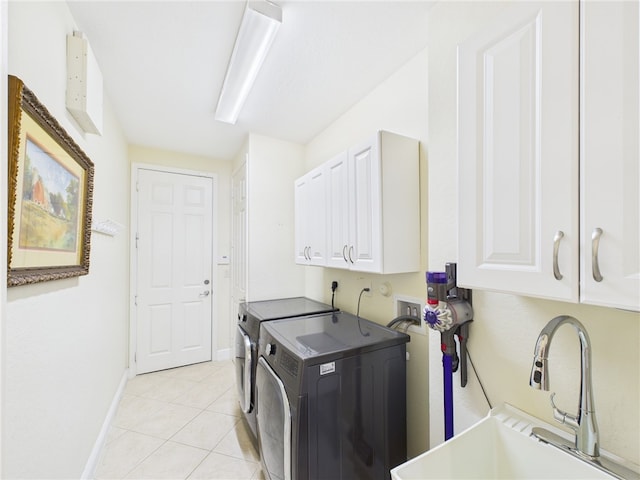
(344, 254)
(350, 252)
(595, 245)
(556, 247)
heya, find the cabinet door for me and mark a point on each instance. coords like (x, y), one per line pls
(310, 218)
(317, 217)
(610, 158)
(365, 207)
(338, 211)
(301, 205)
(518, 153)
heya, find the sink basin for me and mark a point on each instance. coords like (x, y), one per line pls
(499, 446)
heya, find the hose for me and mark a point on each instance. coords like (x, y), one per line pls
(404, 318)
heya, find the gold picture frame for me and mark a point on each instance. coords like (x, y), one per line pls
(50, 195)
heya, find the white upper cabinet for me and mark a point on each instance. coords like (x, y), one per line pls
(338, 210)
(311, 218)
(364, 241)
(609, 154)
(373, 206)
(518, 151)
(548, 153)
(384, 205)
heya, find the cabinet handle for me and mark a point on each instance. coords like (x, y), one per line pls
(344, 254)
(350, 251)
(595, 245)
(309, 252)
(556, 247)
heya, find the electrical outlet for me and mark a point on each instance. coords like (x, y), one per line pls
(364, 282)
(411, 306)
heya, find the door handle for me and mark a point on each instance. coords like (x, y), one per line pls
(595, 245)
(205, 293)
(556, 247)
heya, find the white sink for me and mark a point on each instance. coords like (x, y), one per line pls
(499, 446)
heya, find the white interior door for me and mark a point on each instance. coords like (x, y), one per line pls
(239, 240)
(174, 241)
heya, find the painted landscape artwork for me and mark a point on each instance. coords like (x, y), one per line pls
(50, 192)
(50, 203)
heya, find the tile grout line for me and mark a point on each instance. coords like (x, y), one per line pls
(163, 403)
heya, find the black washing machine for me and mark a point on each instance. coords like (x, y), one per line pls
(331, 398)
(250, 316)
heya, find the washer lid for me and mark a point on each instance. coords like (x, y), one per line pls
(285, 308)
(338, 333)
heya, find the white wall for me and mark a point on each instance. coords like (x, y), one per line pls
(223, 320)
(272, 168)
(3, 200)
(505, 327)
(65, 346)
(399, 105)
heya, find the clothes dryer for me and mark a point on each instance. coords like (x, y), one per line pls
(331, 398)
(250, 316)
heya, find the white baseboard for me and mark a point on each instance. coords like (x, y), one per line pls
(94, 458)
(224, 354)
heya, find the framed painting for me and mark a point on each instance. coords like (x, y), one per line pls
(50, 195)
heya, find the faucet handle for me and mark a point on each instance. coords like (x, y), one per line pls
(563, 417)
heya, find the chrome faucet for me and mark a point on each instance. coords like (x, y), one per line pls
(584, 424)
(587, 443)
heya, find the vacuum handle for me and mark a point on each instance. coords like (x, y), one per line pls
(463, 333)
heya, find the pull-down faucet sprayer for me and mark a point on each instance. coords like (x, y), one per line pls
(587, 443)
(584, 424)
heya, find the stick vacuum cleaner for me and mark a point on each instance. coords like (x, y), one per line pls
(449, 312)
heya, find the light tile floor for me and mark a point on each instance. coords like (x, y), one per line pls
(183, 423)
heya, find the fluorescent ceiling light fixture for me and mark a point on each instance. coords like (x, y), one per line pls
(258, 29)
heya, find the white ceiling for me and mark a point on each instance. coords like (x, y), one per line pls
(163, 64)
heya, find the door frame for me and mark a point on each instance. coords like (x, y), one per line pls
(133, 272)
